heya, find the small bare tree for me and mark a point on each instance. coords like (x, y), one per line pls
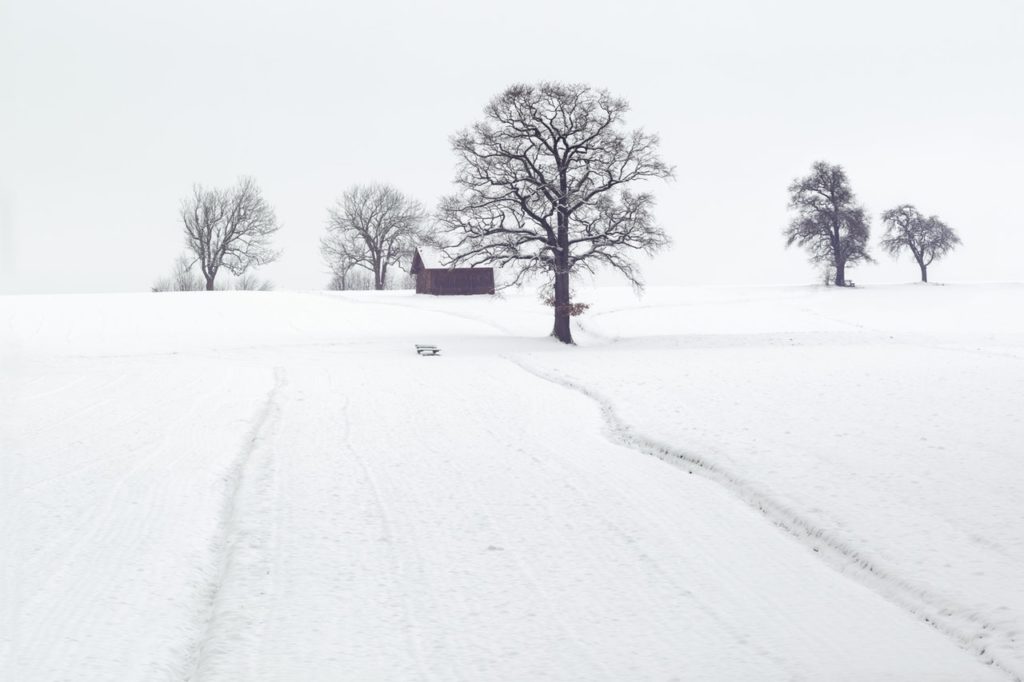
(362, 280)
(182, 278)
(342, 251)
(229, 229)
(337, 282)
(926, 238)
(250, 282)
(544, 184)
(373, 227)
(829, 223)
(359, 280)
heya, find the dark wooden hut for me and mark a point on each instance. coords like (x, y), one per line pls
(451, 281)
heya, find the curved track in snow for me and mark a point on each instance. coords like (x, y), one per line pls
(967, 628)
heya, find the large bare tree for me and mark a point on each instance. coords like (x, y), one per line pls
(829, 223)
(373, 227)
(229, 229)
(544, 189)
(926, 238)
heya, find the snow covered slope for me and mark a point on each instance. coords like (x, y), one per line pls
(273, 486)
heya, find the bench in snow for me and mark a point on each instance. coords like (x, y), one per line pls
(427, 350)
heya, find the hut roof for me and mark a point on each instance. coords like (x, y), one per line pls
(425, 257)
(417, 263)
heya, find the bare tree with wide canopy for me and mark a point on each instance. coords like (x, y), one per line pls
(926, 238)
(544, 189)
(374, 227)
(829, 223)
(229, 229)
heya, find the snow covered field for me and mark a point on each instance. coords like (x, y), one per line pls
(716, 484)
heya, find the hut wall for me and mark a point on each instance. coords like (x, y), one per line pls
(455, 282)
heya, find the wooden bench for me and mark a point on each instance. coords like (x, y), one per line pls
(427, 350)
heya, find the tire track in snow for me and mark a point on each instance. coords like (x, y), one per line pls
(226, 541)
(598, 516)
(398, 569)
(570, 632)
(966, 628)
(91, 528)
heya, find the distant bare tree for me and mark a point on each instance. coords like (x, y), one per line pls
(359, 280)
(337, 283)
(229, 228)
(829, 223)
(544, 189)
(373, 227)
(182, 278)
(162, 285)
(250, 282)
(362, 280)
(926, 238)
(399, 280)
(342, 251)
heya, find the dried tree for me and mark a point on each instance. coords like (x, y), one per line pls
(926, 238)
(182, 278)
(543, 189)
(342, 250)
(229, 229)
(373, 227)
(250, 282)
(829, 223)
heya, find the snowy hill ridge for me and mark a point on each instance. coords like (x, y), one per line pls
(244, 485)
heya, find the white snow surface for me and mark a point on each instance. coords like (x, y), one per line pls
(714, 484)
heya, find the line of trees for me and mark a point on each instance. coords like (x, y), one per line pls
(835, 229)
(545, 187)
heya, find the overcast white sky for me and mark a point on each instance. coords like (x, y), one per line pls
(109, 111)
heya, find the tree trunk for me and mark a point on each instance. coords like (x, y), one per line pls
(924, 272)
(562, 330)
(209, 283)
(840, 280)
